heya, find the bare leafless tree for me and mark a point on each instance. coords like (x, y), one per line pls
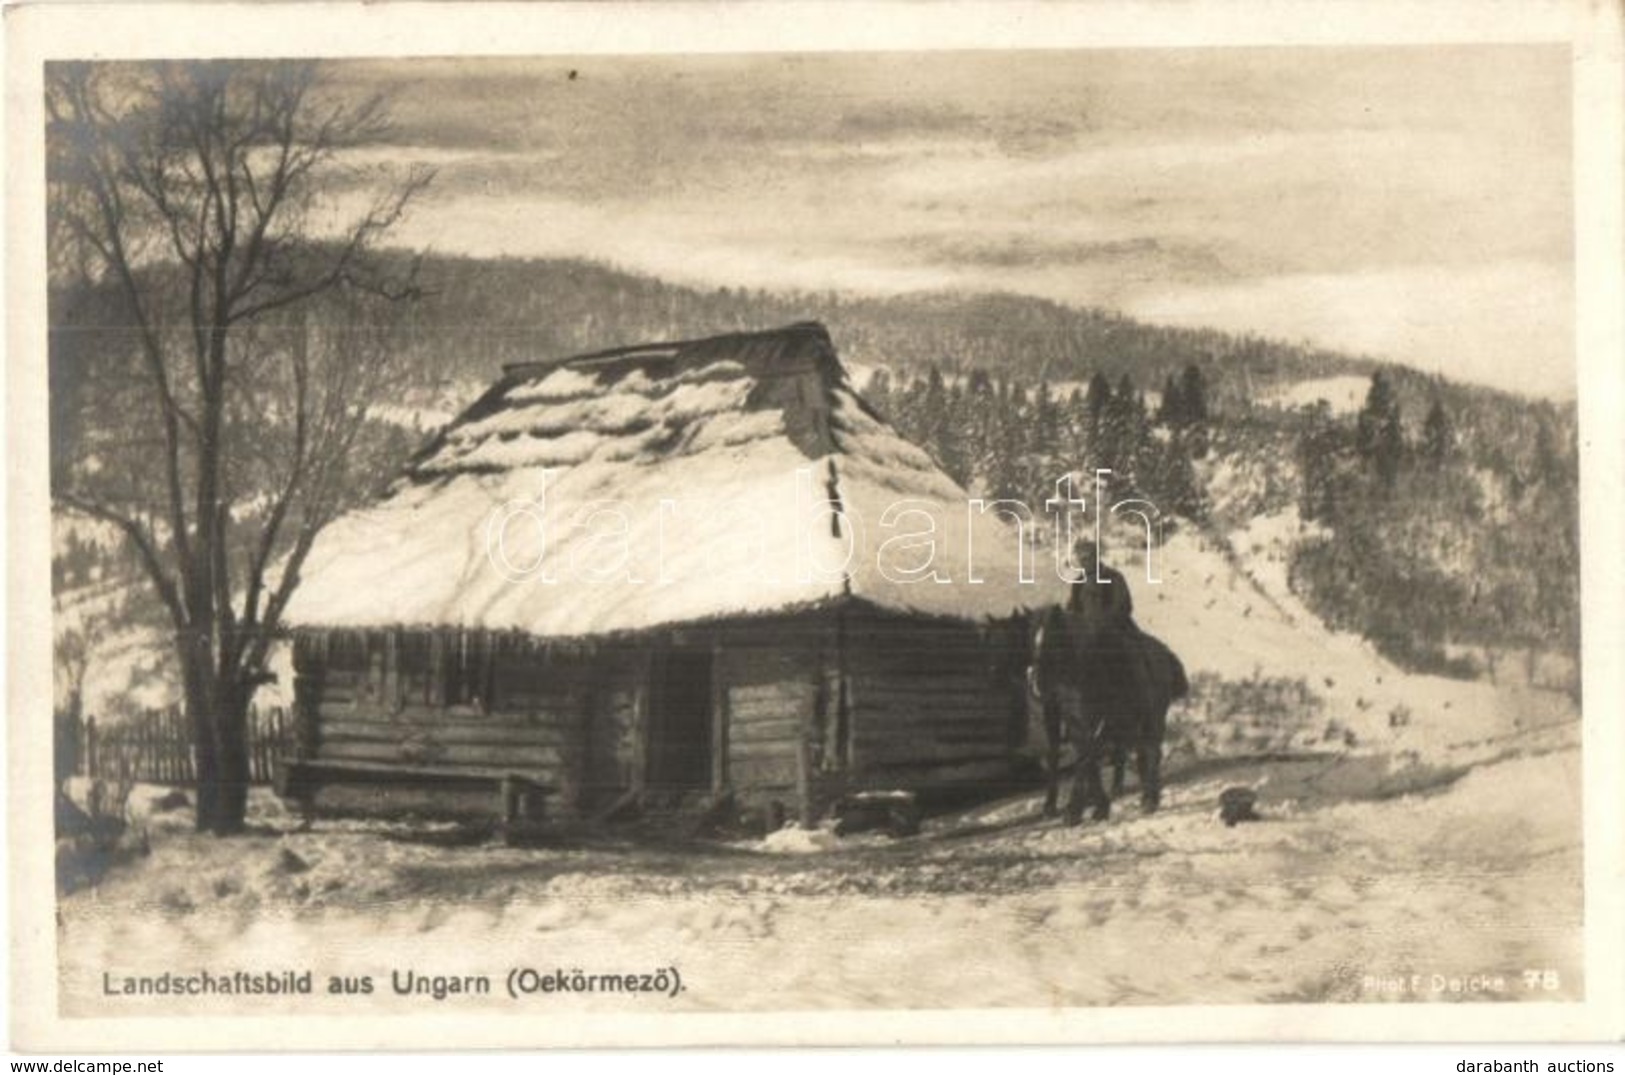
(226, 209)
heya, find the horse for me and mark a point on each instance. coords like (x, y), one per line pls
(1109, 684)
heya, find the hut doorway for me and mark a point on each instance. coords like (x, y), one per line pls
(680, 720)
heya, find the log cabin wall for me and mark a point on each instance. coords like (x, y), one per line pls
(585, 720)
(446, 699)
(932, 703)
(799, 709)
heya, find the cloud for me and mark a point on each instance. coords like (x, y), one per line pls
(881, 120)
(1506, 324)
(1141, 257)
(1410, 203)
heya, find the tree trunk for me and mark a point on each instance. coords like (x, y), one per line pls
(205, 755)
(232, 720)
(219, 719)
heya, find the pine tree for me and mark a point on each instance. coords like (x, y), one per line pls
(1044, 444)
(952, 447)
(1316, 463)
(1007, 472)
(902, 395)
(1074, 427)
(1438, 434)
(1193, 396)
(1125, 431)
(1546, 464)
(1171, 409)
(878, 392)
(934, 406)
(1181, 488)
(1098, 400)
(1391, 452)
(981, 417)
(1379, 439)
(1192, 428)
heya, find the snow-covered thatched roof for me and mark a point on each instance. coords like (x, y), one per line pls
(663, 484)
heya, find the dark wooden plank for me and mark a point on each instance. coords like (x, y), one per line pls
(936, 686)
(455, 754)
(428, 716)
(361, 772)
(777, 773)
(774, 692)
(749, 673)
(943, 680)
(766, 731)
(522, 701)
(963, 701)
(755, 714)
(894, 747)
(774, 748)
(640, 721)
(899, 747)
(447, 732)
(893, 690)
(928, 717)
(871, 753)
(942, 722)
(771, 716)
(721, 720)
(948, 660)
(931, 733)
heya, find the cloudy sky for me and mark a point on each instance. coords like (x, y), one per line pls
(1411, 203)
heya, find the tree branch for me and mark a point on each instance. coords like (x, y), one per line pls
(144, 545)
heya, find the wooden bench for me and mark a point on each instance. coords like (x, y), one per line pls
(518, 799)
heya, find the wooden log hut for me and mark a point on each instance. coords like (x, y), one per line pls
(661, 573)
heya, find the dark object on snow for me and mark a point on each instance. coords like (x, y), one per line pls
(288, 862)
(897, 812)
(1108, 685)
(1236, 805)
(174, 799)
(70, 820)
(718, 814)
(89, 844)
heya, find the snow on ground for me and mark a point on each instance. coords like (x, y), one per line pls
(1356, 870)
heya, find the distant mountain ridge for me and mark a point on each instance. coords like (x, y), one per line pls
(478, 314)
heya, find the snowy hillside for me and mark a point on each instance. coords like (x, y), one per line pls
(1342, 394)
(1226, 610)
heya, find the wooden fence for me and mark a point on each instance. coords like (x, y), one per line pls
(155, 746)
